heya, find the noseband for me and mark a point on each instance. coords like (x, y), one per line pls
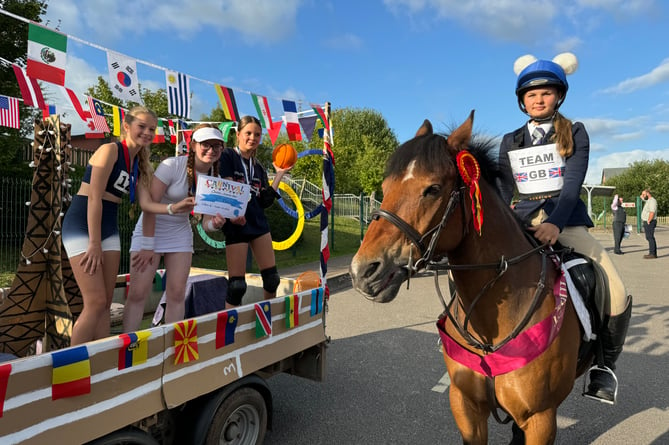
(426, 252)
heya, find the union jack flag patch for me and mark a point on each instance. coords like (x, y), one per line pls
(521, 177)
(556, 172)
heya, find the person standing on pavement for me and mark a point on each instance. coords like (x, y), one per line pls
(649, 217)
(619, 219)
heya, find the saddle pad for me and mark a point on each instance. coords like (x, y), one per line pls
(577, 299)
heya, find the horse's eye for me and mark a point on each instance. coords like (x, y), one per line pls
(433, 190)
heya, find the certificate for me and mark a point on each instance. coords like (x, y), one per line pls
(215, 195)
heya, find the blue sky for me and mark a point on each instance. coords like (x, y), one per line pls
(407, 59)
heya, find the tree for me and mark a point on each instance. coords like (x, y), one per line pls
(641, 175)
(13, 44)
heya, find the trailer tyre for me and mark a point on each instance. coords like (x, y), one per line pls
(241, 419)
(126, 436)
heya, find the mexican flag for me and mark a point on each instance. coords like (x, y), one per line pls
(46, 54)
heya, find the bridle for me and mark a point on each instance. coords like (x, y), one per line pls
(427, 261)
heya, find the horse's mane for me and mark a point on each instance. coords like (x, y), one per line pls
(430, 154)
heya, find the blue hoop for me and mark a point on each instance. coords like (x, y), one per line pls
(317, 211)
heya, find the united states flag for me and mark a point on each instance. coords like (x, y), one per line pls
(178, 94)
(9, 112)
(556, 172)
(521, 177)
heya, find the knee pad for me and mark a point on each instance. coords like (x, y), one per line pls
(236, 290)
(270, 279)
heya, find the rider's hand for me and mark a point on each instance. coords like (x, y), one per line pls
(546, 233)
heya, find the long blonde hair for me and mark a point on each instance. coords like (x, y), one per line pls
(563, 137)
(145, 167)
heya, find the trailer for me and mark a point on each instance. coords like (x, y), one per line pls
(198, 381)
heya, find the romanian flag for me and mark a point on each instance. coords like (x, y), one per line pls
(316, 301)
(185, 341)
(263, 319)
(119, 114)
(228, 102)
(71, 373)
(292, 123)
(135, 349)
(292, 311)
(226, 324)
(5, 370)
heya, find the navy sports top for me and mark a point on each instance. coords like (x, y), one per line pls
(118, 183)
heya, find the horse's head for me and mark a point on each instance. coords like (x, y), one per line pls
(420, 216)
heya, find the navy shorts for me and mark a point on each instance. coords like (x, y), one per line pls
(75, 227)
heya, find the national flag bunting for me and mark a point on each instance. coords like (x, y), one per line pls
(178, 94)
(292, 124)
(225, 128)
(316, 301)
(172, 131)
(185, 341)
(226, 324)
(9, 112)
(97, 114)
(74, 100)
(263, 319)
(321, 115)
(71, 373)
(47, 51)
(30, 89)
(228, 102)
(135, 349)
(327, 191)
(292, 310)
(118, 115)
(160, 133)
(94, 132)
(262, 108)
(5, 371)
(123, 77)
(160, 280)
(49, 110)
(308, 124)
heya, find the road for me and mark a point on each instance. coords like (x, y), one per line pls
(386, 380)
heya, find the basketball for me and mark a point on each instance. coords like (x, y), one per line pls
(307, 280)
(284, 156)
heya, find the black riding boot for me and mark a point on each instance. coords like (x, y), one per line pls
(603, 384)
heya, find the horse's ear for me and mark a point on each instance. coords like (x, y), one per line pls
(424, 129)
(460, 138)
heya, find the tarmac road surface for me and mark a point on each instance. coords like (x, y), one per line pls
(386, 381)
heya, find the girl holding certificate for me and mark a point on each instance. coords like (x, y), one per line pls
(171, 235)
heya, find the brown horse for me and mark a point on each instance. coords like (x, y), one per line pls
(504, 282)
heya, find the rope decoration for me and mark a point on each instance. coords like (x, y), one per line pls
(470, 171)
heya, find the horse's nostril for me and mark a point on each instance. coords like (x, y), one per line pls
(371, 269)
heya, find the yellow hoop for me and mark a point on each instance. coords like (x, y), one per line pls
(292, 239)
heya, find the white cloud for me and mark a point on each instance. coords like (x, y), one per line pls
(347, 41)
(619, 160)
(657, 75)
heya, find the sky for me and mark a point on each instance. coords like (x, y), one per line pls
(409, 60)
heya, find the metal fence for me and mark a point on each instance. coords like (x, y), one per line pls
(14, 209)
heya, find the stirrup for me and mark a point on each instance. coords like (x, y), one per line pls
(586, 382)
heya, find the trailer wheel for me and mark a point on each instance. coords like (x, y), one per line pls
(241, 419)
(126, 436)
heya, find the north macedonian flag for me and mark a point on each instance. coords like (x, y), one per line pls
(71, 373)
(135, 349)
(47, 51)
(185, 341)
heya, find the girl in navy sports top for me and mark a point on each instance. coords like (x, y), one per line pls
(90, 227)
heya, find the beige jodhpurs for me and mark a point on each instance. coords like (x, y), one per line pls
(578, 238)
